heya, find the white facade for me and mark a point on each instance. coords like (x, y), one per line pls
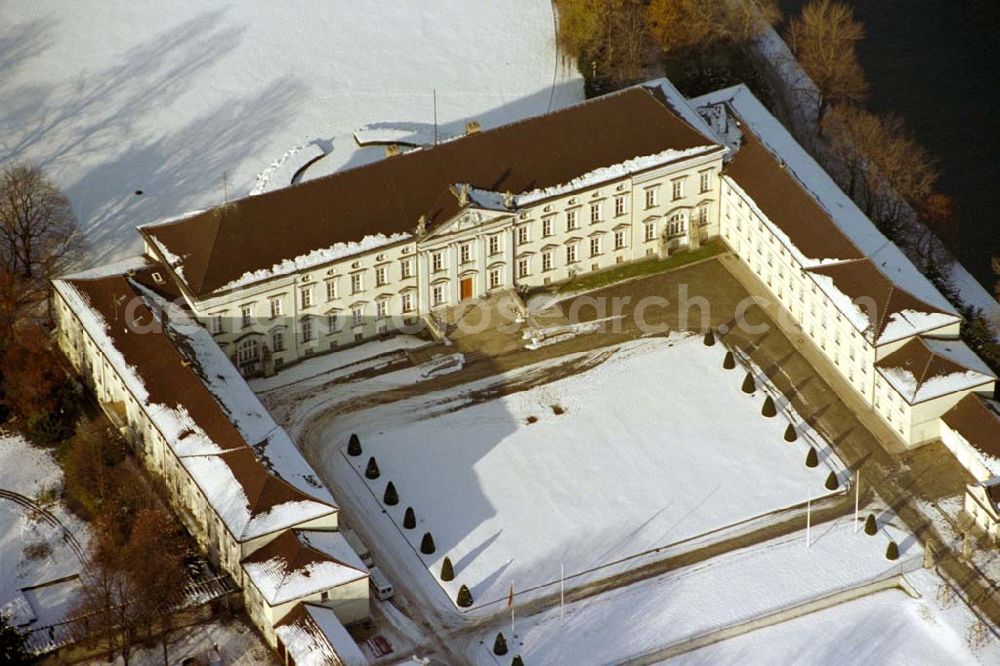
(478, 251)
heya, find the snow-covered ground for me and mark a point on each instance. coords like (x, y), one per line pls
(237, 643)
(511, 489)
(190, 101)
(722, 592)
(38, 569)
(886, 628)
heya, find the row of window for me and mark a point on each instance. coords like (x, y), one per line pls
(676, 225)
(762, 257)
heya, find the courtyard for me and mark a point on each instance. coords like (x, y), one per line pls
(580, 477)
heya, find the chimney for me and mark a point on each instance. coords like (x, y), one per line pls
(472, 127)
(391, 149)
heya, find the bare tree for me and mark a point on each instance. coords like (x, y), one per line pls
(995, 263)
(849, 129)
(627, 41)
(608, 37)
(938, 235)
(109, 593)
(38, 238)
(157, 568)
(880, 165)
(679, 25)
(823, 39)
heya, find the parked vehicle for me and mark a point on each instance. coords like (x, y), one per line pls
(381, 585)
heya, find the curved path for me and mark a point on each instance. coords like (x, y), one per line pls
(48, 517)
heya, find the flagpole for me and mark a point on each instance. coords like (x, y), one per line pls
(857, 497)
(809, 516)
(562, 592)
(510, 604)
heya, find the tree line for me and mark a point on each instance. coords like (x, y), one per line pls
(135, 574)
(39, 239)
(618, 42)
(878, 162)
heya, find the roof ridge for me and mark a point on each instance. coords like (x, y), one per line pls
(885, 307)
(298, 537)
(927, 366)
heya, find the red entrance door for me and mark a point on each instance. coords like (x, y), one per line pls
(466, 288)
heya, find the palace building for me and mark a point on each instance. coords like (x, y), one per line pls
(269, 280)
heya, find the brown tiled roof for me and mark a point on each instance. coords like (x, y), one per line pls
(295, 560)
(387, 197)
(860, 280)
(977, 419)
(287, 548)
(157, 360)
(169, 378)
(918, 358)
(263, 491)
(784, 201)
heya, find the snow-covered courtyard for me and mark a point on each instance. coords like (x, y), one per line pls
(838, 601)
(593, 472)
(887, 627)
(142, 111)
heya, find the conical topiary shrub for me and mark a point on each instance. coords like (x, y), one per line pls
(391, 497)
(372, 470)
(427, 544)
(871, 527)
(729, 362)
(812, 458)
(517, 661)
(409, 518)
(831, 482)
(447, 571)
(749, 385)
(790, 434)
(464, 597)
(500, 645)
(354, 446)
(709, 338)
(892, 551)
(768, 409)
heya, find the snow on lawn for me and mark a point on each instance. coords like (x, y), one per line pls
(238, 645)
(654, 446)
(37, 567)
(189, 102)
(694, 601)
(886, 628)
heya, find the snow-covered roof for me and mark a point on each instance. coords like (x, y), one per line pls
(612, 172)
(295, 565)
(245, 464)
(244, 241)
(927, 368)
(313, 636)
(679, 104)
(249, 500)
(315, 258)
(876, 305)
(811, 242)
(977, 419)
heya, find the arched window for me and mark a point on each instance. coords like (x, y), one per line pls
(248, 351)
(677, 224)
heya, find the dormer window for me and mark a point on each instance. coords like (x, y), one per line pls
(157, 278)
